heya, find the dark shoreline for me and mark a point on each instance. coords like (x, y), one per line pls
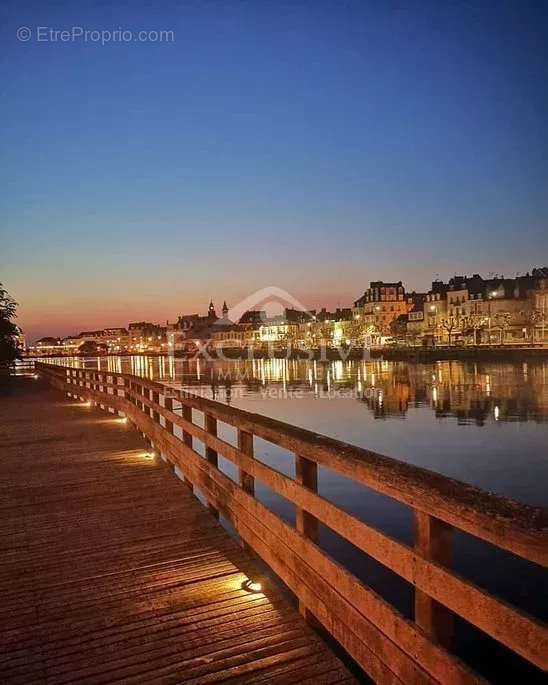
(431, 354)
(409, 354)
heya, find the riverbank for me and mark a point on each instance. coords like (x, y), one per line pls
(328, 354)
(472, 353)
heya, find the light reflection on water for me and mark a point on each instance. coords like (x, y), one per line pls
(483, 423)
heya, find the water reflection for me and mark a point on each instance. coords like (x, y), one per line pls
(471, 393)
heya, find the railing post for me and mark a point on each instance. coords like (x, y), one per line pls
(145, 392)
(187, 416)
(433, 541)
(155, 413)
(306, 474)
(210, 426)
(186, 413)
(168, 404)
(247, 481)
(245, 445)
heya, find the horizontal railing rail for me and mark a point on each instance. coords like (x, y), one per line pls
(387, 645)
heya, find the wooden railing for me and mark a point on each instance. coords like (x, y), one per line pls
(388, 646)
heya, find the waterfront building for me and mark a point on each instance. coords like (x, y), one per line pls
(434, 312)
(118, 341)
(253, 316)
(378, 307)
(278, 334)
(192, 331)
(71, 344)
(146, 337)
(538, 318)
(296, 316)
(340, 314)
(235, 337)
(494, 310)
(413, 321)
(46, 346)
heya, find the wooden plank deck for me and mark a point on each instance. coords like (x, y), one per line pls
(111, 571)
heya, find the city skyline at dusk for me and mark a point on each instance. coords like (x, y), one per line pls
(116, 317)
(309, 146)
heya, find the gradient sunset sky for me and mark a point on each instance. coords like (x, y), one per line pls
(308, 145)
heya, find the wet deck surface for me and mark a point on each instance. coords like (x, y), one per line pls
(111, 571)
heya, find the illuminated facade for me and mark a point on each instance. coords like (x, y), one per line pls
(380, 304)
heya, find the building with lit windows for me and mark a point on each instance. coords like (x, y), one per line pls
(380, 304)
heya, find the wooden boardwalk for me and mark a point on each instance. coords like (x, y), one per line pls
(111, 571)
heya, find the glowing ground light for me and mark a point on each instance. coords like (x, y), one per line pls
(36, 376)
(122, 420)
(149, 455)
(251, 586)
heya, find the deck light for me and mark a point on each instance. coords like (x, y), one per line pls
(36, 376)
(252, 586)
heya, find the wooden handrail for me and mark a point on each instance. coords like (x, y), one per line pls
(506, 523)
(387, 645)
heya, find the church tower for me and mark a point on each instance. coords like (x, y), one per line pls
(212, 314)
(225, 310)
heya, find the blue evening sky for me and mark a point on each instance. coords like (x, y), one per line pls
(311, 145)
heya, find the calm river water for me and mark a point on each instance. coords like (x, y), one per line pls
(483, 423)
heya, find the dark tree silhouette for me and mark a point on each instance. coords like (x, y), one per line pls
(91, 348)
(450, 324)
(8, 330)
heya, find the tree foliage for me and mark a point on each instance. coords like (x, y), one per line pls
(450, 324)
(8, 330)
(398, 327)
(92, 348)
